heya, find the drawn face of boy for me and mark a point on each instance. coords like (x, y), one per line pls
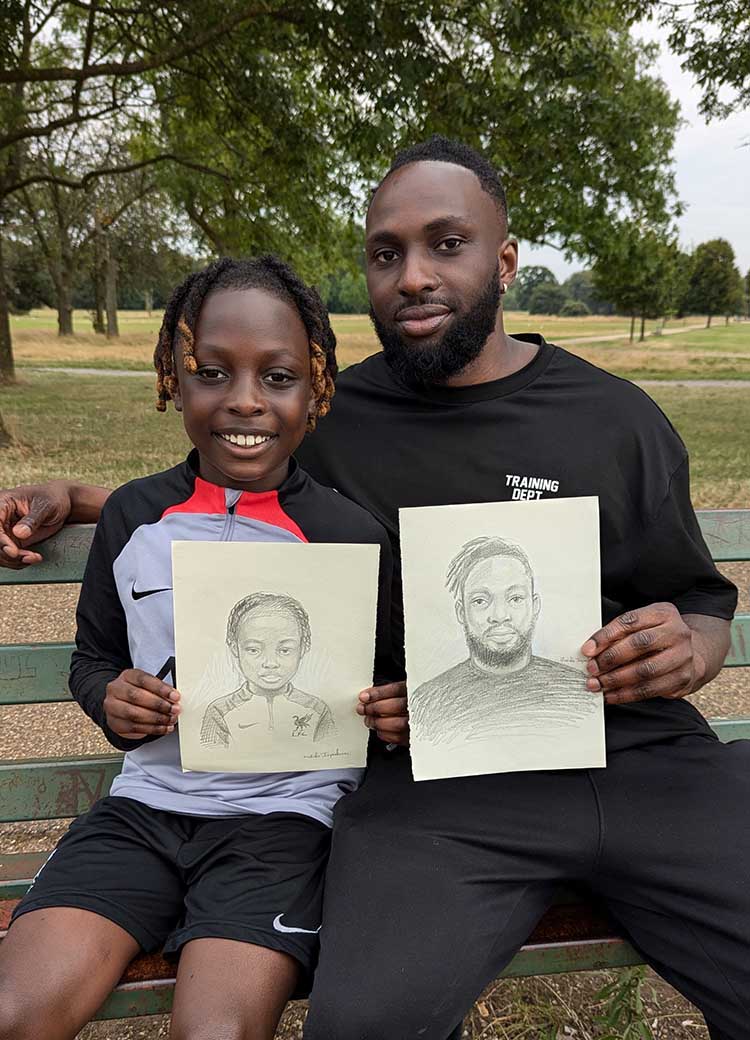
(269, 648)
(498, 611)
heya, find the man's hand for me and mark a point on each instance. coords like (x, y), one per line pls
(648, 652)
(139, 705)
(384, 710)
(28, 515)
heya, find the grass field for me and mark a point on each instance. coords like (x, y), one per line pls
(684, 351)
(105, 429)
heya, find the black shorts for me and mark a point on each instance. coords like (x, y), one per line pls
(167, 878)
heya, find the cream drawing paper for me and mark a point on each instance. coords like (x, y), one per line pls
(272, 645)
(498, 600)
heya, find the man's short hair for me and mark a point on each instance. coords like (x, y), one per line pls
(271, 603)
(474, 552)
(444, 149)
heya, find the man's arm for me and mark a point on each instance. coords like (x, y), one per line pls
(33, 512)
(655, 651)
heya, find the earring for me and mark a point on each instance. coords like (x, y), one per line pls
(503, 288)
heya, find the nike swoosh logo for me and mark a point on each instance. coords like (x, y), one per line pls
(283, 928)
(148, 592)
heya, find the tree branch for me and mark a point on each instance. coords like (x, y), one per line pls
(131, 68)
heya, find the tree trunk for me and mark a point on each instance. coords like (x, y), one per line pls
(708, 323)
(64, 303)
(726, 319)
(7, 369)
(643, 329)
(148, 300)
(632, 327)
(97, 315)
(110, 293)
(5, 438)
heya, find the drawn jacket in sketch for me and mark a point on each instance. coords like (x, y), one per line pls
(468, 703)
(291, 712)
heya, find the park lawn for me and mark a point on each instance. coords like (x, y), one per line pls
(721, 352)
(105, 429)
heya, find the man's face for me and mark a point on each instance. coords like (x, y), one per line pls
(269, 649)
(433, 240)
(498, 611)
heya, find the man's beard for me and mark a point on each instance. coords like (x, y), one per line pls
(462, 343)
(491, 657)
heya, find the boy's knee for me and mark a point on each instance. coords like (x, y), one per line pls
(17, 1018)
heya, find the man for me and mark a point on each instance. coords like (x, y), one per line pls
(502, 687)
(432, 887)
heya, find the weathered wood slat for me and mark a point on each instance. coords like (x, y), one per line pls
(64, 559)
(727, 533)
(54, 788)
(34, 673)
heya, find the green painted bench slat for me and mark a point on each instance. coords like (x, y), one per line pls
(64, 559)
(58, 788)
(34, 673)
(727, 533)
(739, 651)
(54, 788)
(137, 998)
(585, 955)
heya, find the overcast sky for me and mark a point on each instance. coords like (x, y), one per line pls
(711, 166)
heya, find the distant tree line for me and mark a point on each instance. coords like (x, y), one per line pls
(642, 275)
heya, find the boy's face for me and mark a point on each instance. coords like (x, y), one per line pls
(269, 649)
(246, 407)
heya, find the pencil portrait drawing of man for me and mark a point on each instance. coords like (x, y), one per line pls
(502, 686)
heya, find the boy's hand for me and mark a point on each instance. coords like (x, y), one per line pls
(384, 710)
(139, 705)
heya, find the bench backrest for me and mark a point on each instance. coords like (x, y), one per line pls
(33, 673)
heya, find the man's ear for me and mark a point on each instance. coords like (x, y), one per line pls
(507, 258)
(537, 605)
(460, 613)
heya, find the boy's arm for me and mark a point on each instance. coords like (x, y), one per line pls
(33, 512)
(102, 652)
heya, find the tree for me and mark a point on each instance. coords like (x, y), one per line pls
(546, 298)
(258, 118)
(639, 273)
(714, 279)
(574, 309)
(714, 38)
(526, 282)
(580, 286)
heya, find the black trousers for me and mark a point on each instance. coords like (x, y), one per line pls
(432, 887)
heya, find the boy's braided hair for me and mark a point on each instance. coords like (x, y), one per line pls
(266, 272)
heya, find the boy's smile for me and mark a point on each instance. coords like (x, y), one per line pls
(246, 407)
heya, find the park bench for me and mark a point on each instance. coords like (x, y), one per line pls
(574, 935)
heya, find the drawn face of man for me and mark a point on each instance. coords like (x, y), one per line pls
(269, 648)
(498, 611)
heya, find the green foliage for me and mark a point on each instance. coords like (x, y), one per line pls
(715, 282)
(345, 292)
(527, 280)
(580, 286)
(713, 36)
(547, 298)
(639, 271)
(622, 1017)
(574, 309)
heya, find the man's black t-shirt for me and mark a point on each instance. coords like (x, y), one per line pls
(559, 427)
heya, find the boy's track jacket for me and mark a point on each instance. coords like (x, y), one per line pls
(125, 620)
